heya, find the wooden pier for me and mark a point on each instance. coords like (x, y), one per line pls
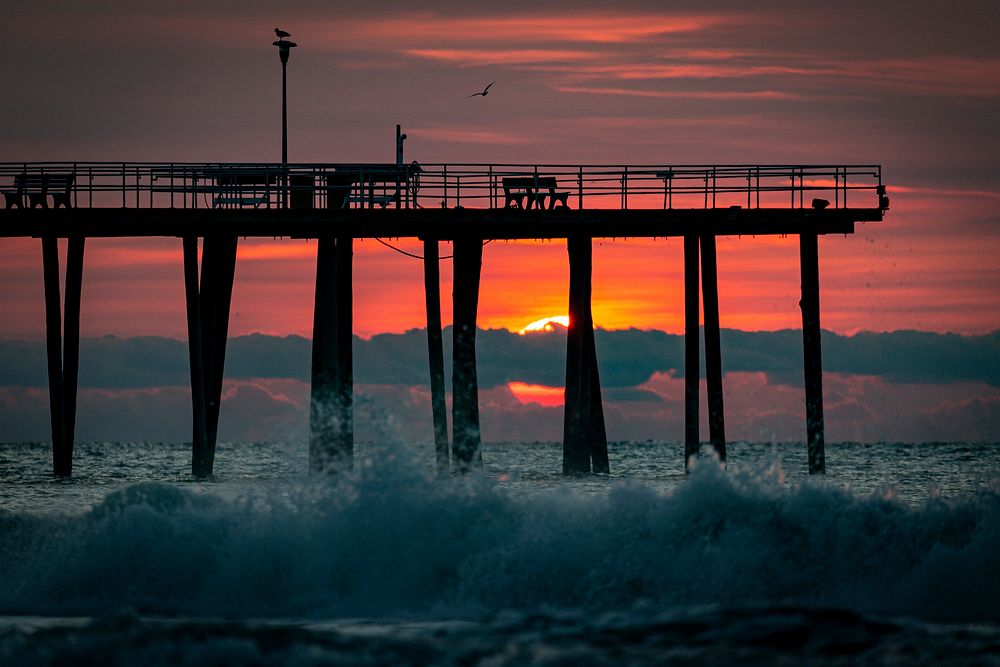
(468, 205)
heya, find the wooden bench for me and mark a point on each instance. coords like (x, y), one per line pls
(238, 188)
(531, 191)
(38, 187)
(358, 186)
(226, 201)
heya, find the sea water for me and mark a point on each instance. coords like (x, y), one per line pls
(891, 558)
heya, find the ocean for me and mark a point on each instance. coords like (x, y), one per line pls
(890, 558)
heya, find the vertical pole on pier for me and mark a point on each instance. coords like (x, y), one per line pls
(435, 353)
(71, 345)
(53, 339)
(200, 465)
(585, 444)
(331, 412)
(692, 353)
(812, 351)
(468, 263)
(713, 345)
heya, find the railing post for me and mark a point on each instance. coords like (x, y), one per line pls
(758, 187)
(625, 188)
(714, 186)
(579, 182)
(123, 185)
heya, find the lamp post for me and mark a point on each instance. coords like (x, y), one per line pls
(284, 50)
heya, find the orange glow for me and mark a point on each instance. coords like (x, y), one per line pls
(501, 56)
(549, 397)
(600, 28)
(546, 324)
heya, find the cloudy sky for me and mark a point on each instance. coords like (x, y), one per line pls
(914, 87)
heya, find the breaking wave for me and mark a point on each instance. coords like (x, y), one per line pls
(390, 542)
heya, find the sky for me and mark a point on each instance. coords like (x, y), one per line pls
(913, 86)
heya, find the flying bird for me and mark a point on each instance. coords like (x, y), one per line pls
(485, 92)
(281, 33)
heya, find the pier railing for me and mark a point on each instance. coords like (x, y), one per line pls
(420, 185)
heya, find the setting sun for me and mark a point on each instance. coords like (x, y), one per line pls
(546, 324)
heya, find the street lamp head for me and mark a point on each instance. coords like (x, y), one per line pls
(284, 48)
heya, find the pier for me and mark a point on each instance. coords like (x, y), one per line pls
(213, 205)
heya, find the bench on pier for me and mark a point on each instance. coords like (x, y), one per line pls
(532, 191)
(225, 201)
(37, 188)
(239, 188)
(349, 185)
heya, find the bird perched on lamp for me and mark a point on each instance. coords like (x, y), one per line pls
(281, 33)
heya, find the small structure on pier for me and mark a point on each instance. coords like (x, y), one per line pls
(467, 204)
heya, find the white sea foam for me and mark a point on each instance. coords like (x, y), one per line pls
(389, 542)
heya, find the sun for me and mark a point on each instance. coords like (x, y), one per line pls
(546, 324)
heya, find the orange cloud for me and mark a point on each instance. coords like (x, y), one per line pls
(548, 397)
(543, 26)
(481, 57)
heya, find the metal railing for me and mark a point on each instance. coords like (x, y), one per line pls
(482, 186)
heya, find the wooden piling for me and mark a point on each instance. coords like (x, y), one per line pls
(713, 345)
(331, 427)
(71, 343)
(201, 464)
(216, 291)
(692, 353)
(812, 350)
(435, 353)
(585, 444)
(468, 260)
(53, 347)
(598, 431)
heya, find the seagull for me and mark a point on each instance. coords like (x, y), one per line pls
(485, 92)
(281, 33)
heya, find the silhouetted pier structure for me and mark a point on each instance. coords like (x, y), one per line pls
(467, 204)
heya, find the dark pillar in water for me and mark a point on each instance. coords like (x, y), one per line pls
(63, 349)
(71, 343)
(585, 443)
(218, 273)
(53, 340)
(713, 345)
(598, 432)
(199, 437)
(692, 353)
(811, 348)
(209, 297)
(331, 411)
(464, 381)
(435, 353)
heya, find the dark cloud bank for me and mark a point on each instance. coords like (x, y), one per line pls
(627, 358)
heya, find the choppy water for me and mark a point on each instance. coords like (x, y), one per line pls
(892, 558)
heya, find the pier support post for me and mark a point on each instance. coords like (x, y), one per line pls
(199, 437)
(468, 263)
(692, 353)
(812, 350)
(713, 345)
(435, 353)
(208, 300)
(331, 410)
(585, 442)
(62, 346)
